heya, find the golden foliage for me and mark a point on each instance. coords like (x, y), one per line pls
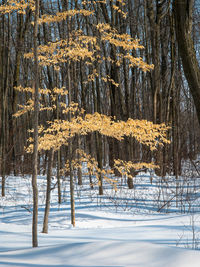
(119, 40)
(77, 48)
(119, 10)
(60, 131)
(92, 167)
(60, 91)
(63, 15)
(43, 91)
(17, 5)
(73, 108)
(125, 167)
(52, 94)
(126, 42)
(86, 48)
(24, 108)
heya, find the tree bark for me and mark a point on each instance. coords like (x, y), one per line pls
(35, 135)
(183, 21)
(72, 201)
(58, 176)
(48, 192)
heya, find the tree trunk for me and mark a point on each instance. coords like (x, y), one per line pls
(48, 192)
(58, 176)
(80, 182)
(35, 135)
(70, 156)
(183, 21)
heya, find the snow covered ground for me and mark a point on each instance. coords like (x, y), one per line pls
(117, 229)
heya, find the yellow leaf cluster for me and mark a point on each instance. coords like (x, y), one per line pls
(43, 91)
(28, 106)
(77, 48)
(63, 15)
(126, 42)
(24, 89)
(73, 108)
(91, 77)
(24, 108)
(60, 131)
(60, 91)
(17, 5)
(119, 40)
(92, 166)
(108, 79)
(116, 8)
(125, 167)
(138, 61)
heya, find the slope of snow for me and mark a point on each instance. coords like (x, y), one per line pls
(109, 231)
(103, 253)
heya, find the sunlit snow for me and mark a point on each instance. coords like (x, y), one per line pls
(117, 229)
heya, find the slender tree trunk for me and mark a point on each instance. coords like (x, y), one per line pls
(58, 176)
(3, 106)
(4, 102)
(35, 135)
(71, 186)
(13, 126)
(70, 157)
(89, 140)
(59, 151)
(48, 192)
(99, 160)
(80, 182)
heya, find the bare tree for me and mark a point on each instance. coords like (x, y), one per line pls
(183, 10)
(35, 125)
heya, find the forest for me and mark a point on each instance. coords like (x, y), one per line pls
(111, 85)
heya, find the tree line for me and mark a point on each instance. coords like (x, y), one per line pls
(114, 86)
(122, 59)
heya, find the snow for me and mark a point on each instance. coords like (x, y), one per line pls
(117, 229)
